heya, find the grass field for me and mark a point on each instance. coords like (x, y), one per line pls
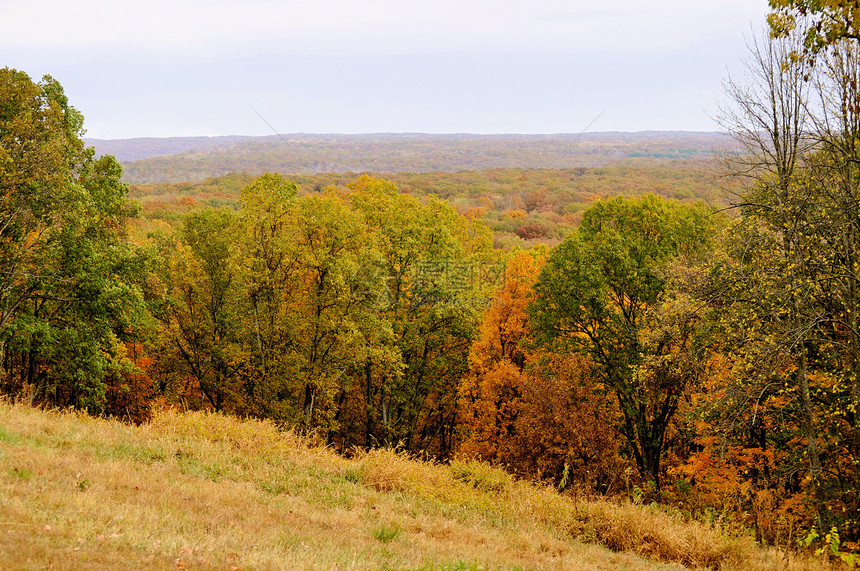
(204, 491)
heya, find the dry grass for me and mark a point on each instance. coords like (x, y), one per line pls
(203, 491)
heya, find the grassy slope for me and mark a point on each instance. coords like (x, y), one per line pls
(202, 491)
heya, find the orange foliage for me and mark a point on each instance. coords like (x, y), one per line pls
(475, 213)
(131, 395)
(515, 214)
(741, 484)
(506, 322)
(532, 230)
(746, 472)
(536, 414)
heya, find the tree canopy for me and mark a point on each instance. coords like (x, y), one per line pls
(69, 299)
(595, 293)
(821, 23)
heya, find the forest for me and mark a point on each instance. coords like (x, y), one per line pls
(614, 330)
(190, 159)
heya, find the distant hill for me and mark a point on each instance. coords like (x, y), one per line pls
(198, 158)
(127, 150)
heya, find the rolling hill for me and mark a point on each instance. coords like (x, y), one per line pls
(195, 159)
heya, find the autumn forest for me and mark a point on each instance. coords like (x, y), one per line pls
(682, 329)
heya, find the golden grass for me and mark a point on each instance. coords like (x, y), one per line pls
(205, 491)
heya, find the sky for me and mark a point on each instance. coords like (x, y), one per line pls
(162, 68)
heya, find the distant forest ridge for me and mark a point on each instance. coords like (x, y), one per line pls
(179, 159)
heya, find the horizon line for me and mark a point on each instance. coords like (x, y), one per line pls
(413, 133)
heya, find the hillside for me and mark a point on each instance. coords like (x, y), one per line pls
(126, 150)
(194, 159)
(204, 491)
(521, 206)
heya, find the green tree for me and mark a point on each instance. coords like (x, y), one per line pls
(594, 295)
(268, 265)
(410, 390)
(69, 297)
(332, 322)
(311, 324)
(201, 315)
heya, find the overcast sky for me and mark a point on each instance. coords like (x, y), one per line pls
(159, 68)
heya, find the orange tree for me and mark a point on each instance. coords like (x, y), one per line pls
(536, 413)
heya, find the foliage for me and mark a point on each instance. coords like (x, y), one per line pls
(497, 197)
(430, 266)
(199, 312)
(594, 297)
(69, 294)
(821, 23)
(535, 413)
(341, 312)
(779, 424)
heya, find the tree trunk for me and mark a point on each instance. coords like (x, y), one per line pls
(310, 400)
(811, 437)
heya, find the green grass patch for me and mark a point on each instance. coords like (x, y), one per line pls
(481, 476)
(353, 475)
(133, 451)
(7, 437)
(20, 474)
(201, 468)
(386, 532)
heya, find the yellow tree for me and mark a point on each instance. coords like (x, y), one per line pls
(431, 260)
(201, 309)
(308, 320)
(267, 263)
(821, 23)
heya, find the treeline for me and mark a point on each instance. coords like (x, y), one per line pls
(522, 207)
(661, 350)
(388, 153)
(347, 313)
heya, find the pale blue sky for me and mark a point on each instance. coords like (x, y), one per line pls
(193, 67)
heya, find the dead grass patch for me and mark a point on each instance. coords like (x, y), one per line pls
(205, 491)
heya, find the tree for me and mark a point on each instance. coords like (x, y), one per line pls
(821, 23)
(593, 297)
(331, 321)
(787, 289)
(835, 172)
(310, 322)
(69, 293)
(268, 265)
(533, 412)
(430, 263)
(201, 317)
(491, 393)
